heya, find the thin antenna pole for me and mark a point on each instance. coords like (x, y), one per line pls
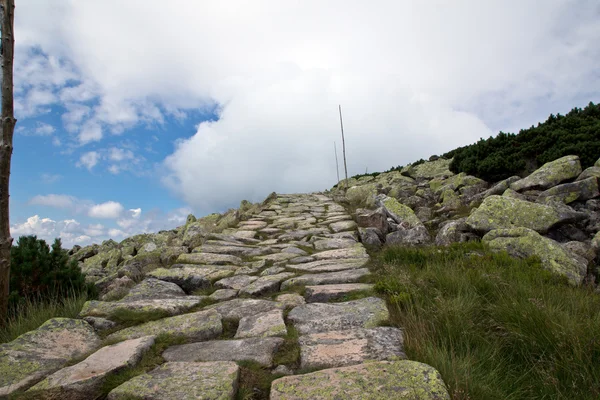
(343, 146)
(337, 166)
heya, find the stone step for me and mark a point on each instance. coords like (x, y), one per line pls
(325, 293)
(259, 350)
(182, 381)
(266, 324)
(327, 278)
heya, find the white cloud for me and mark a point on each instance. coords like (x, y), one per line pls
(50, 178)
(89, 160)
(135, 212)
(54, 200)
(116, 154)
(43, 129)
(414, 79)
(110, 209)
(94, 230)
(34, 226)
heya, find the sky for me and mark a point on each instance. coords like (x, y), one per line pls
(132, 114)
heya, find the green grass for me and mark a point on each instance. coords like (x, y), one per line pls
(31, 314)
(288, 353)
(255, 381)
(495, 327)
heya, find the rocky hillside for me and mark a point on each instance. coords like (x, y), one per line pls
(554, 213)
(284, 287)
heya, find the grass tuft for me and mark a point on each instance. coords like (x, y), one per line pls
(494, 326)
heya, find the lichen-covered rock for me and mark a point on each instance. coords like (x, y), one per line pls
(266, 284)
(124, 310)
(330, 265)
(84, 380)
(409, 237)
(141, 264)
(198, 326)
(372, 219)
(325, 293)
(236, 282)
(357, 252)
(216, 380)
(209, 259)
(383, 380)
(550, 174)
(400, 213)
(266, 324)
(498, 212)
(523, 242)
(342, 348)
(569, 192)
(36, 354)
(100, 324)
(363, 195)
(343, 226)
(429, 170)
(290, 300)
(591, 172)
(238, 308)
(152, 288)
(224, 294)
(259, 350)
(370, 237)
(345, 276)
(192, 277)
(333, 243)
(320, 317)
(455, 231)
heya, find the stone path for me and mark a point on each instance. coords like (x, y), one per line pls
(295, 267)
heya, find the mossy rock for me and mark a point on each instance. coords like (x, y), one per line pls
(400, 213)
(550, 174)
(429, 170)
(362, 196)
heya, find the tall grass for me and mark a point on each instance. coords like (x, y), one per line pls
(31, 313)
(495, 327)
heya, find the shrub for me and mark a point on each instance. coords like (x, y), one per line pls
(41, 273)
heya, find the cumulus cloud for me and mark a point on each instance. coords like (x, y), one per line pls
(110, 209)
(414, 78)
(89, 160)
(43, 129)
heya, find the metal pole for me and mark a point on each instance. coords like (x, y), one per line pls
(343, 146)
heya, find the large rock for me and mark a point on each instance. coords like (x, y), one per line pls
(363, 195)
(239, 308)
(192, 277)
(216, 380)
(455, 231)
(265, 324)
(235, 282)
(357, 251)
(325, 293)
(342, 348)
(152, 288)
(523, 242)
(569, 192)
(201, 325)
(36, 354)
(400, 213)
(550, 174)
(266, 284)
(319, 317)
(383, 380)
(332, 244)
(84, 380)
(409, 237)
(591, 172)
(372, 219)
(429, 170)
(330, 265)
(123, 310)
(498, 212)
(497, 189)
(259, 350)
(209, 259)
(346, 276)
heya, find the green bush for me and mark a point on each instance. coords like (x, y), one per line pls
(41, 273)
(507, 154)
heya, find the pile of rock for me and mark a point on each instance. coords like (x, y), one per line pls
(554, 213)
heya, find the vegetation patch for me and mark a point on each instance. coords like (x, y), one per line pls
(494, 326)
(255, 381)
(288, 353)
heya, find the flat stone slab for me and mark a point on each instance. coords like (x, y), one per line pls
(236, 282)
(290, 300)
(342, 348)
(331, 244)
(265, 324)
(84, 380)
(325, 293)
(38, 353)
(321, 317)
(259, 350)
(327, 278)
(331, 265)
(343, 226)
(192, 277)
(152, 288)
(237, 309)
(216, 380)
(110, 309)
(383, 380)
(266, 284)
(223, 295)
(201, 325)
(357, 251)
(209, 259)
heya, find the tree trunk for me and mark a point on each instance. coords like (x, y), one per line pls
(7, 14)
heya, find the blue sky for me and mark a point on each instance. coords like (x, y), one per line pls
(128, 129)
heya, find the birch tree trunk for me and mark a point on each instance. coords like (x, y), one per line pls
(7, 13)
